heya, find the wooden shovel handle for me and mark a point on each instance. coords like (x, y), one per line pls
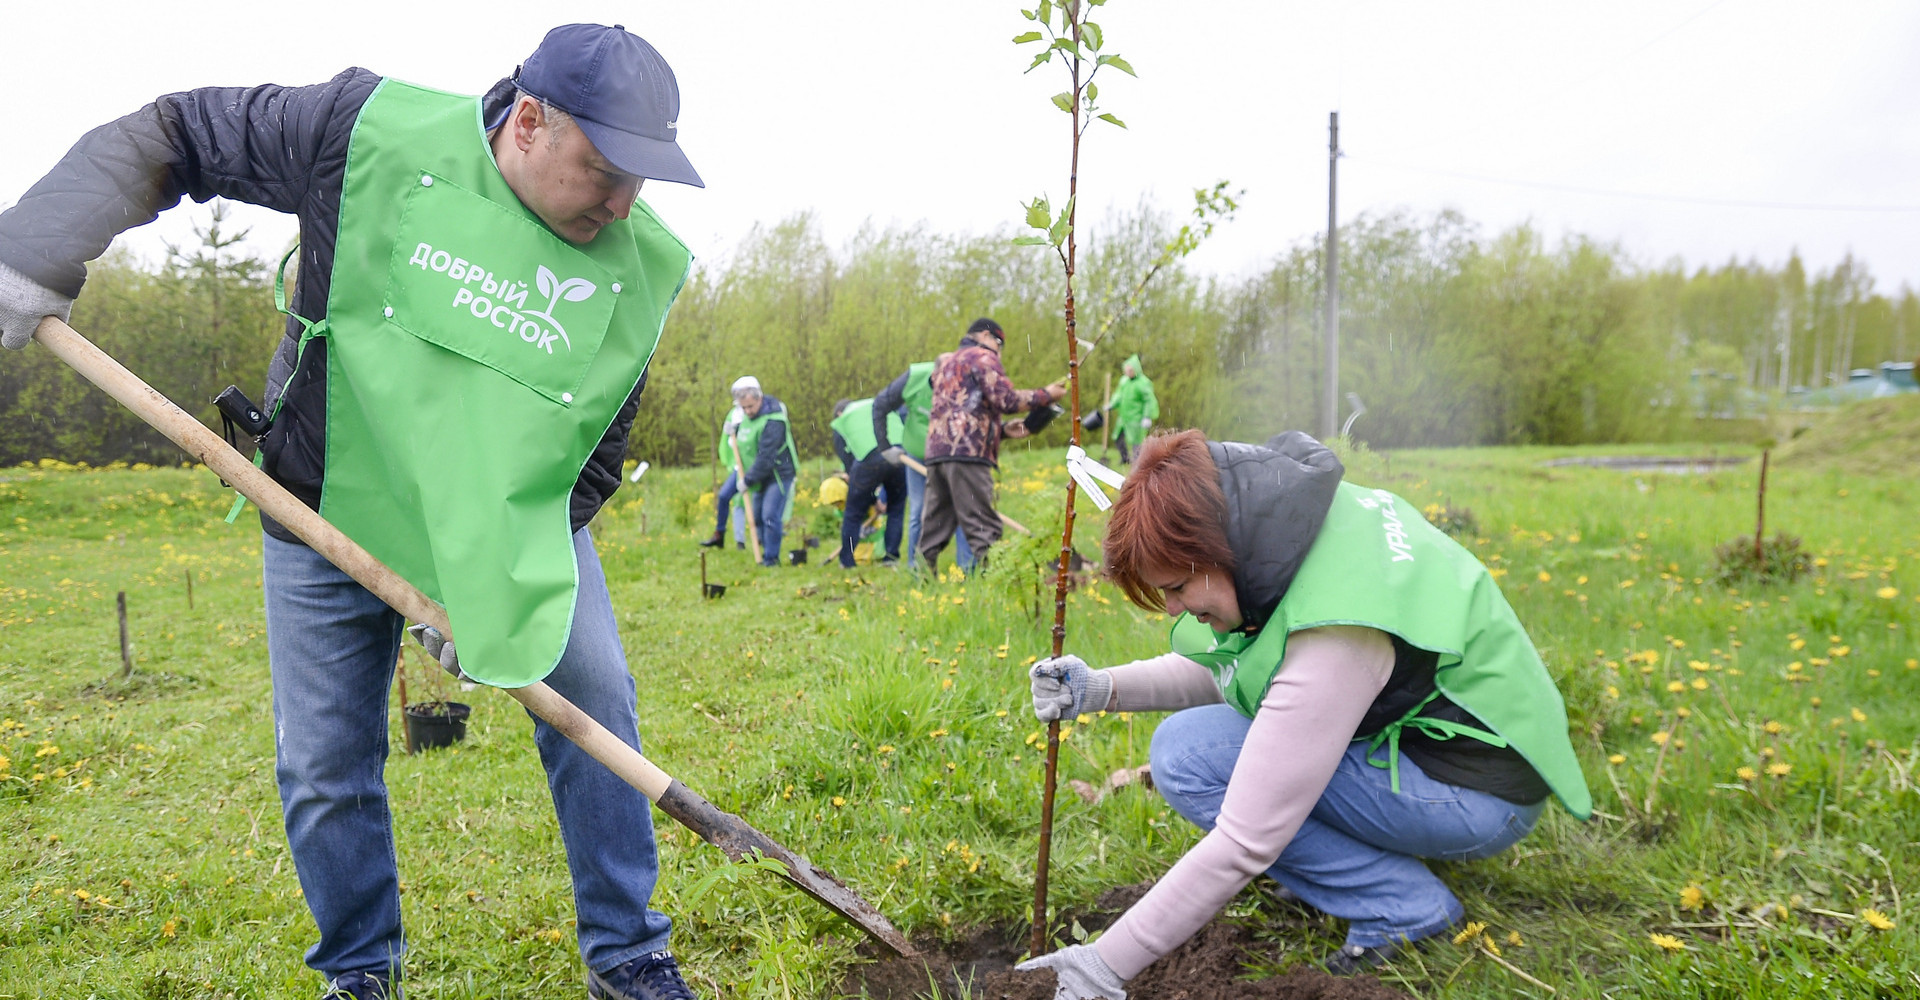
(746, 500)
(196, 440)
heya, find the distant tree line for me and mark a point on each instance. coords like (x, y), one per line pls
(1449, 336)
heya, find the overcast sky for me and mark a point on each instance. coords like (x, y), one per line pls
(904, 113)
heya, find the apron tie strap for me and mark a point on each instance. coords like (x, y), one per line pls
(1437, 729)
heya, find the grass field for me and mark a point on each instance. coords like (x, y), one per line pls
(1752, 749)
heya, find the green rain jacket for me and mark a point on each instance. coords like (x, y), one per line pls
(1133, 401)
(474, 360)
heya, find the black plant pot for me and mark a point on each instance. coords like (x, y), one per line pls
(437, 723)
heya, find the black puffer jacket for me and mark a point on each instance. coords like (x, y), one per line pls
(283, 148)
(1277, 498)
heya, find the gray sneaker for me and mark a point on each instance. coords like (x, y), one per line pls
(361, 986)
(653, 976)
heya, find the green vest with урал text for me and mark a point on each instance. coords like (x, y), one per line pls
(474, 361)
(855, 424)
(1379, 564)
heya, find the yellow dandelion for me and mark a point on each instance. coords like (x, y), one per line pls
(1701, 666)
(1745, 773)
(1877, 920)
(1469, 932)
(1676, 686)
(1699, 683)
(1887, 593)
(1668, 942)
(1613, 692)
(838, 802)
(1618, 758)
(1797, 645)
(1624, 584)
(1660, 737)
(168, 929)
(1773, 727)
(1545, 577)
(1693, 898)
(1779, 769)
(1514, 941)
(1859, 716)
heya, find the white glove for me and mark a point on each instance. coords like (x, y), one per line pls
(1065, 687)
(1081, 974)
(23, 303)
(437, 646)
(1146, 422)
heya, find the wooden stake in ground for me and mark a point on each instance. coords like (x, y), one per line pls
(189, 575)
(1760, 517)
(126, 648)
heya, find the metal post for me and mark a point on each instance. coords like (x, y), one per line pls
(1330, 389)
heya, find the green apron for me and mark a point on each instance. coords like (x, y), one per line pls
(474, 360)
(749, 435)
(855, 424)
(1378, 563)
(919, 399)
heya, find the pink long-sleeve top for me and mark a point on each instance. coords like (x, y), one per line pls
(1329, 678)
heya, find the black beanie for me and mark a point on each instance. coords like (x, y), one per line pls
(985, 325)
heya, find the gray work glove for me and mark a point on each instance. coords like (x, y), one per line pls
(23, 303)
(1065, 686)
(1146, 422)
(1081, 974)
(894, 455)
(437, 646)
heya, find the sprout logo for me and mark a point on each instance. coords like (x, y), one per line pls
(571, 290)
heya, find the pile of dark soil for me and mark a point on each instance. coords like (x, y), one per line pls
(1210, 965)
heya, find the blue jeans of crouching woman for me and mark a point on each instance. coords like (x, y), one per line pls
(1357, 855)
(331, 647)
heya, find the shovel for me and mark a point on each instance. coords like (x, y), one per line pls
(722, 829)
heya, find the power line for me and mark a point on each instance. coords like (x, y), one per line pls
(1678, 199)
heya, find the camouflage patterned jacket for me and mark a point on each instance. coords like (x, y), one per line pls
(971, 393)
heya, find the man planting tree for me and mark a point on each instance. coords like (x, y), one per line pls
(971, 395)
(478, 302)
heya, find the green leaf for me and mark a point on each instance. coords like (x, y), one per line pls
(1066, 44)
(1062, 225)
(1030, 241)
(1027, 36)
(1090, 33)
(1118, 63)
(1093, 92)
(1044, 57)
(1039, 214)
(1029, 15)
(1111, 120)
(1045, 12)
(1064, 101)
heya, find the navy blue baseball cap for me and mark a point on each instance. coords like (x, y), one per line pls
(619, 91)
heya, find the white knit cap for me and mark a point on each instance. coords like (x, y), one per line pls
(744, 383)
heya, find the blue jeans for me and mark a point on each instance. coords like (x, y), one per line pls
(769, 517)
(917, 502)
(1357, 855)
(332, 647)
(726, 498)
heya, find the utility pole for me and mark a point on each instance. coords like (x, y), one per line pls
(1330, 388)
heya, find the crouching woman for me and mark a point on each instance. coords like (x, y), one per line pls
(1353, 695)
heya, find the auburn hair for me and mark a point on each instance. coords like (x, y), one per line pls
(1171, 517)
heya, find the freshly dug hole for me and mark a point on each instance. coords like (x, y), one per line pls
(980, 967)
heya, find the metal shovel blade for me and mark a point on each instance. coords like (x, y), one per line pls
(731, 834)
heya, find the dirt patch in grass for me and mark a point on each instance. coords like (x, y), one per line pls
(979, 966)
